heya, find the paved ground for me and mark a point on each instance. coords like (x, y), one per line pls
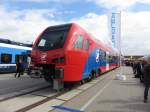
(120, 96)
(9, 84)
(104, 94)
(111, 95)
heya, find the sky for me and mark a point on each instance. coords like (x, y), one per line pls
(24, 20)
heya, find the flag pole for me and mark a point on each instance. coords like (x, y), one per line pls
(114, 27)
(120, 76)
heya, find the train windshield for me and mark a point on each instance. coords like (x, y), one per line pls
(53, 38)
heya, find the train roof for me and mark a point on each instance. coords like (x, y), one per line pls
(59, 27)
(96, 41)
(11, 44)
(7, 41)
(15, 46)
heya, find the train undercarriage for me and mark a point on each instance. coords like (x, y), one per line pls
(51, 74)
(54, 76)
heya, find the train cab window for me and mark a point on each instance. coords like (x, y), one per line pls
(86, 45)
(42, 43)
(78, 42)
(53, 38)
(6, 58)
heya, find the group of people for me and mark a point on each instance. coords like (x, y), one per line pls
(141, 69)
(138, 67)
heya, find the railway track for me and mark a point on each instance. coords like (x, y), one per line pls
(22, 92)
(37, 97)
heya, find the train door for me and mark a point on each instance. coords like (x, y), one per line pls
(86, 47)
(107, 60)
(102, 59)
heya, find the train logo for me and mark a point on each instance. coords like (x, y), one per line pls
(43, 56)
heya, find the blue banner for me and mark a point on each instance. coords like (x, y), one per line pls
(114, 22)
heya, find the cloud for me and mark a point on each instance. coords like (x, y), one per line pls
(26, 25)
(96, 25)
(47, 1)
(118, 4)
(136, 33)
(144, 1)
(135, 27)
(114, 3)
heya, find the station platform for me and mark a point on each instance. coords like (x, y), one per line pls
(103, 94)
(110, 95)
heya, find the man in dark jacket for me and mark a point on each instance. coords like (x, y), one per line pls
(135, 68)
(138, 69)
(142, 70)
(19, 68)
(146, 72)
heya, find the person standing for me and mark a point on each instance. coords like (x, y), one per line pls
(19, 68)
(146, 72)
(142, 69)
(137, 69)
(134, 67)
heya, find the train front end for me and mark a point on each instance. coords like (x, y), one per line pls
(48, 54)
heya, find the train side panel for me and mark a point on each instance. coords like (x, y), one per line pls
(95, 61)
(80, 62)
(76, 57)
(11, 66)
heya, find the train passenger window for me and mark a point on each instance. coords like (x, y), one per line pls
(6, 58)
(115, 59)
(79, 41)
(110, 59)
(86, 45)
(102, 54)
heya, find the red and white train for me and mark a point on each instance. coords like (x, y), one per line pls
(68, 53)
